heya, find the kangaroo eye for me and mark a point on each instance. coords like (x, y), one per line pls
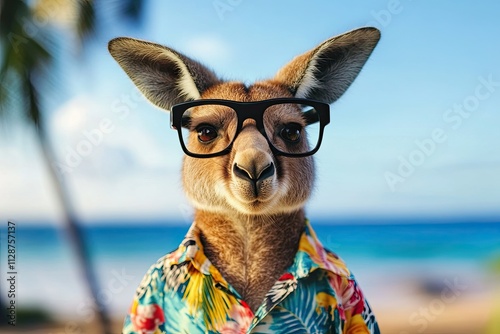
(291, 133)
(206, 133)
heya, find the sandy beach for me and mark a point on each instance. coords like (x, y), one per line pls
(474, 310)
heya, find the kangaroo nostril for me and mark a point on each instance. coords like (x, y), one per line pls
(242, 173)
(266, 172)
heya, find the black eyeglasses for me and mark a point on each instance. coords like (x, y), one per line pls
(293, 127)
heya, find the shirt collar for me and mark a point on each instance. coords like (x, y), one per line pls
(191, 250)
(310, 256)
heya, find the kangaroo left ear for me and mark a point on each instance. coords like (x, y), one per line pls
(325, 73)
(165, 76)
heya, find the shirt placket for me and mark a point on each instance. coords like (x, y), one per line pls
(266, 307)
(270, 300)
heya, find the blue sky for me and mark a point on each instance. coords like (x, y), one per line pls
(398, 144)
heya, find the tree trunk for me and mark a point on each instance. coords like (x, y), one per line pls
(75, 233)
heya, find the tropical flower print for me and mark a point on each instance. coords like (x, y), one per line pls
(146, 318)
(241, 318)
(184, 293)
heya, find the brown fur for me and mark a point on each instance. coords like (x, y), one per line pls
(251, 252)
(249, 232)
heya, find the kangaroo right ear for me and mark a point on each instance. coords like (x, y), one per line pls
(325, 73)
(163, 75)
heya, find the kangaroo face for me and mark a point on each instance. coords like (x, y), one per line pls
(250, 179)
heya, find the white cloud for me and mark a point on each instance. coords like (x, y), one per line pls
(92, 134)
(209, 49)
(72, 116)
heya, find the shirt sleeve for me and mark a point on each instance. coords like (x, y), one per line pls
(359, 317)
(146, 313)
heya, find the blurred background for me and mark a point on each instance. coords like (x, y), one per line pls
(408, 189)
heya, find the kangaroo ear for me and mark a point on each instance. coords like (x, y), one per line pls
(163, 75)
(325, 73)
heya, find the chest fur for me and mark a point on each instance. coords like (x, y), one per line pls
(252, 261)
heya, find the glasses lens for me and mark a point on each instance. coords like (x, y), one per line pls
(292, 128)
(208, 128)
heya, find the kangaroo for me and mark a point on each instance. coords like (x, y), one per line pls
(249, 262)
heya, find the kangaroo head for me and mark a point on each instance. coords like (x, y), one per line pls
(251, 178)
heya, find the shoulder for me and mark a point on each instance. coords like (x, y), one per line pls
(342, 280)
(166, 273)
(337, 266)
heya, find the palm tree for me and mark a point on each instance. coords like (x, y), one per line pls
(26, 58)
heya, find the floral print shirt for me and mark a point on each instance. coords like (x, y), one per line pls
(184, 293)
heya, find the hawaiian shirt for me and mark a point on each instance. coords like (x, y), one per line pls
(184, 293)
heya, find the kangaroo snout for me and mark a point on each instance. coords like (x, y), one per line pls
(254, 173)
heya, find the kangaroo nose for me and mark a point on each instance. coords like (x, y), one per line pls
(253, 173)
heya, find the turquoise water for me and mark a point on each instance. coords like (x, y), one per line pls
(49, 274)
(463, 241)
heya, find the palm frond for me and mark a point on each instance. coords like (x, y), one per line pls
(133, 9)
(22, 56)
(10, 11)
(86, 18)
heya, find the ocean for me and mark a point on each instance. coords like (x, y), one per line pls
(49, 277)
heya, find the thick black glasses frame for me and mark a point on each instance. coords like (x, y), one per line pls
(253, 110)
